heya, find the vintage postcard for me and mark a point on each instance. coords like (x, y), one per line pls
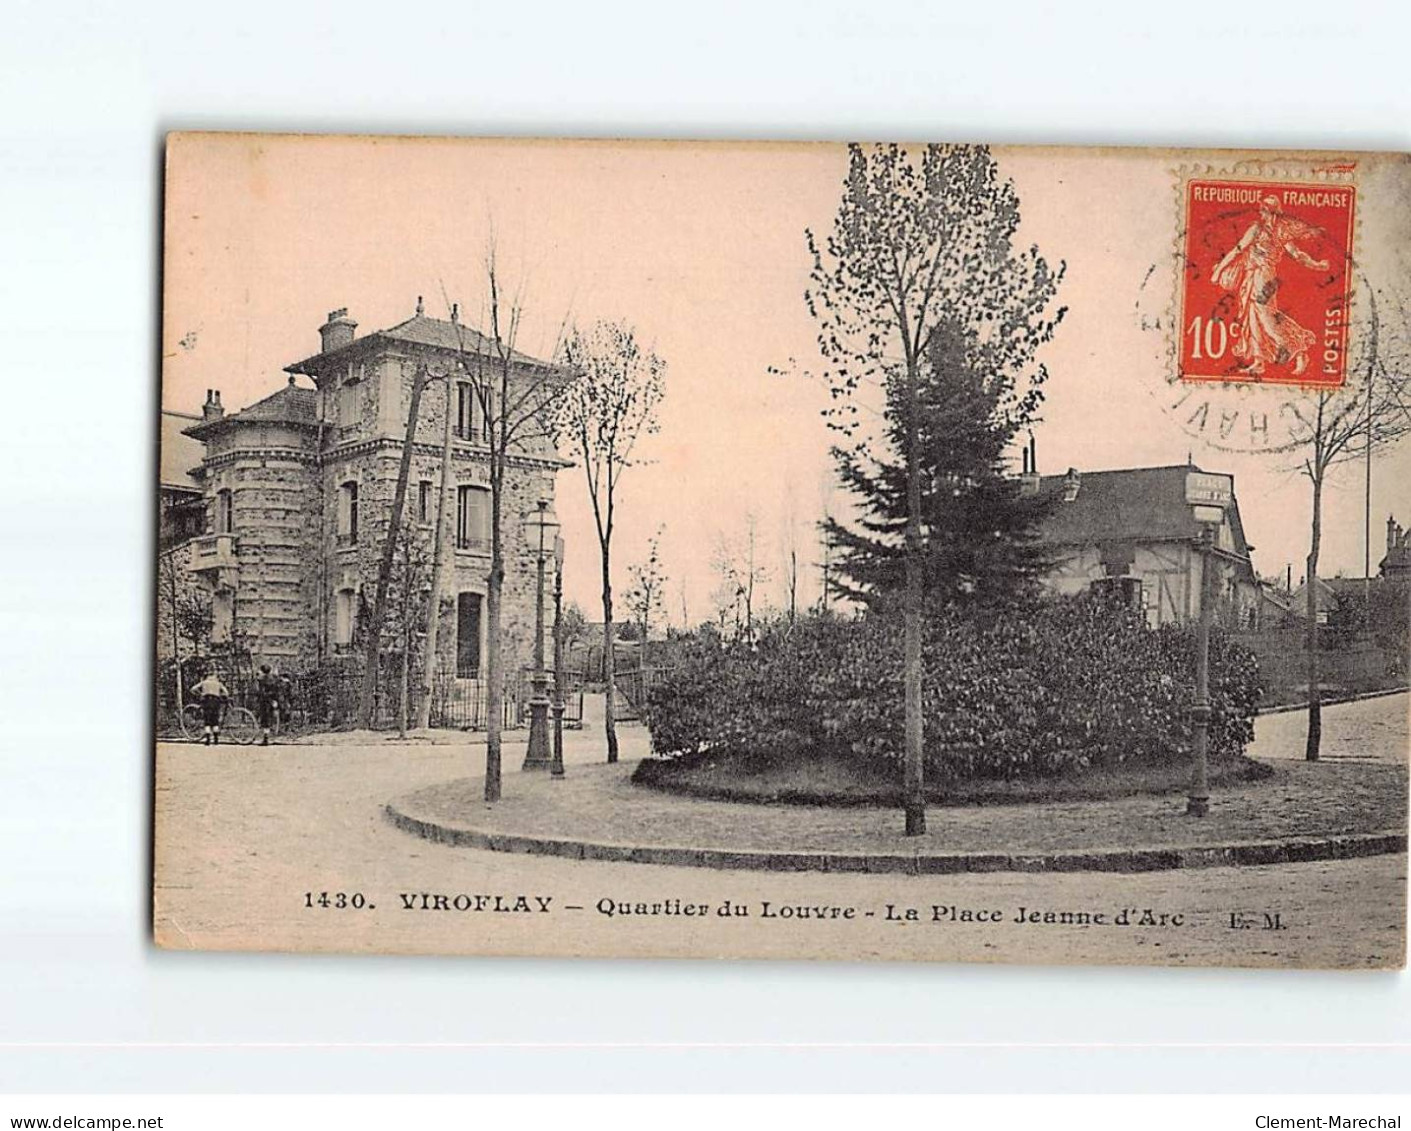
(932, 552)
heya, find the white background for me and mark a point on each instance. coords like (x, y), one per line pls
(86, 93)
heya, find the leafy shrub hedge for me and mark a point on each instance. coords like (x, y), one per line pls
(1056, 687)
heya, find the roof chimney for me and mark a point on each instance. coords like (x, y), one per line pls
(212, 409)
(1071, 482)
(338, 331)
(1029, 480)
(1391, 532)
(455, 313)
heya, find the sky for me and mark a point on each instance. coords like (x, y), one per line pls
(702, 248)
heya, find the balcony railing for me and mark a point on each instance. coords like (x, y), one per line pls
(213, 551)
(479, 435)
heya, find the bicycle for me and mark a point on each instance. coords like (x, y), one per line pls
(237, 724)
(290, 723)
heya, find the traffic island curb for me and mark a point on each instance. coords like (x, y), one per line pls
(1296, 850)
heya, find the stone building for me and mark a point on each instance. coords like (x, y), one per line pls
(181, 517)
(1133, 531)
(298, 490)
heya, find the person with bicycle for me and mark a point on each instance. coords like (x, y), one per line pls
(213, 696)
(266, 701)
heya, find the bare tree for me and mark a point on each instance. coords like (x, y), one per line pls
(193, 619)
(646, 597)
(789, 549)
(825, 545)
(755, 572)
(1337, 426)
(516, 397)
(740, 570)
(408, 591)
(610, 405)
(373, 647)
(729, 586)
(440, 554)
(793, 583)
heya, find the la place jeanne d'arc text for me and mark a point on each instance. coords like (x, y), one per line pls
(608, 908)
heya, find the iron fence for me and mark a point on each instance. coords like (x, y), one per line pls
(464, 704)
(633, 686)
(573, 686)
(328, 698)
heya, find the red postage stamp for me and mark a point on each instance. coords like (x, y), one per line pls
(1266, 282)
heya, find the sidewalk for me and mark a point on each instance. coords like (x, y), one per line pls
(1305, 812)
(584, 744)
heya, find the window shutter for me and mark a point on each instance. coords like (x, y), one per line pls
(481, 527)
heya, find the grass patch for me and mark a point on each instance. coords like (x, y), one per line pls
(841, 781)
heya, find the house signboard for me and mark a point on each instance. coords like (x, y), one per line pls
(1209, 489)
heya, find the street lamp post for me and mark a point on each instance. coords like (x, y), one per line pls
(1208, 495)
(537, 756)
(1198, 804)
(557, 768)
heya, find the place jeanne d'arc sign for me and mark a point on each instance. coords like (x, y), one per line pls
(743, 581)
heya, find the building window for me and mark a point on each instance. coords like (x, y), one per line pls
(350, 407)
(348, 514)
(1127, 591)
(345, 607)
(472, 421)
(468, 635)
(225, 512)
(472, 518)
(465, 410)
(181, 521)
(423, 501)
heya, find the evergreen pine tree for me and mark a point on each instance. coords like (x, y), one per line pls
(918, 282)
(979, 529)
